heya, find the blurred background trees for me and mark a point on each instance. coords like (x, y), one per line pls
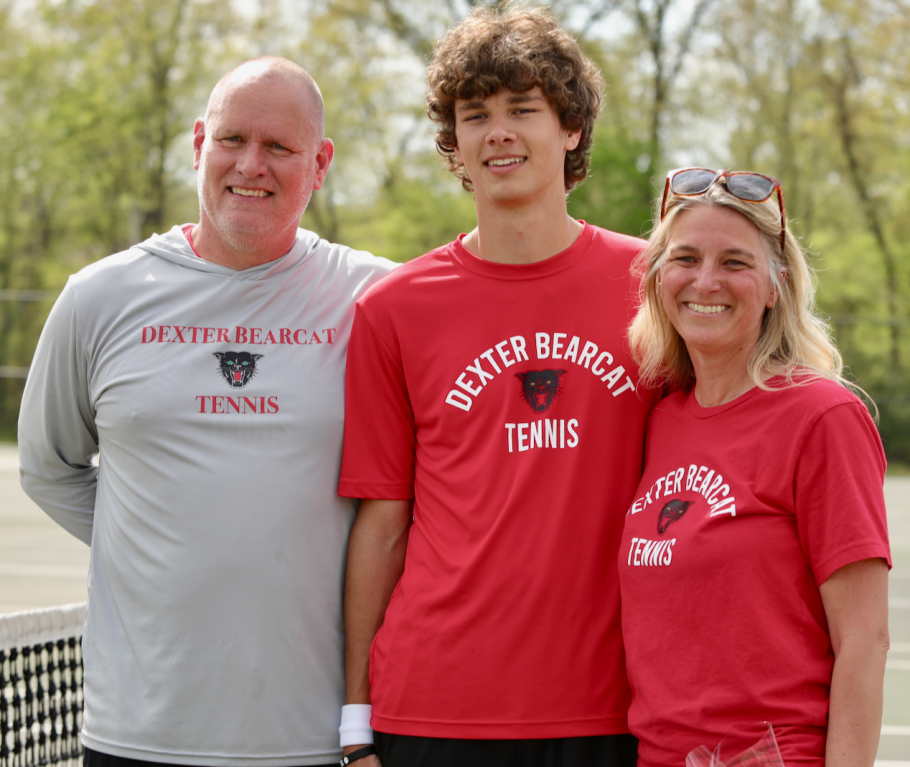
(98, 98)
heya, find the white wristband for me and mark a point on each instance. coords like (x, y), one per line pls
(355, 727)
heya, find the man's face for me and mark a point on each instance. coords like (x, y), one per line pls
(260, 156)
(513, 147)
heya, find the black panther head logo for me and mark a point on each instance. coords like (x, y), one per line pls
(539, 388)
(238, 368)
(672, 511)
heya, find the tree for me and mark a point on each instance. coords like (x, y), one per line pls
(820, 90)
(94, 95)
(33, 185)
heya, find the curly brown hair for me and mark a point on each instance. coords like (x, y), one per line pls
(516, 50)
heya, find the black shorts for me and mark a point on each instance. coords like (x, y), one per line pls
(593, 751)
(97, 759)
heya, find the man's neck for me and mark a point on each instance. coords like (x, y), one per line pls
(239, 256)
(522, 235)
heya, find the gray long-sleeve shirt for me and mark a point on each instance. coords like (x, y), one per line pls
(214, 400)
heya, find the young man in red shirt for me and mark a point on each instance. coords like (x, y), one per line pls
(494, 430)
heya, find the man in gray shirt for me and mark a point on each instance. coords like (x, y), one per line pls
(205, 369)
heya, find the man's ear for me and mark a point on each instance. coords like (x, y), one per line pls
(198, 138)
(323, 160)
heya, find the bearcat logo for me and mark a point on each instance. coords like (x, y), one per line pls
(539, 388)
(671, 511)
(237, 368)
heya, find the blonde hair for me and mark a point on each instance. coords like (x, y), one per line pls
(794, 343)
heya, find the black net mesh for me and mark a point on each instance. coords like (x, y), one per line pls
(41, 703)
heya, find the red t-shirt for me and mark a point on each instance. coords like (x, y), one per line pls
(187, 230)
(742, 512)
(503, 399)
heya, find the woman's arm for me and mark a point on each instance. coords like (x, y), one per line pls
(856, 606)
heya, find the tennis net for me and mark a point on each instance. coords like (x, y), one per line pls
(41, 686)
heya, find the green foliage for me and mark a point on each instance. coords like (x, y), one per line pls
(411, 216)
(93, 96)
(32, 186)
(98, 98)
(894, 409)
(823, 93)
(616, 195)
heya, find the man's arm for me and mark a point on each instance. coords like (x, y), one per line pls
(856, 606)
(376, 552)
(57, 434)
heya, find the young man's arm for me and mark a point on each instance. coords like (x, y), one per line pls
(376, 551)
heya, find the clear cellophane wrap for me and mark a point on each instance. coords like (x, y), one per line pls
(763, 753)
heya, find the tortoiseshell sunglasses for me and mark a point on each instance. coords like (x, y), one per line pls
(742, 184)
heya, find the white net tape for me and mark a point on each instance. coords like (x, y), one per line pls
(33, 627)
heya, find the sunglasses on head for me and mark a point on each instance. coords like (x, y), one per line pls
(742, 184)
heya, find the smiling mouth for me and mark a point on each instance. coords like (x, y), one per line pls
(249, 192)
(505, 161)
(704, 309)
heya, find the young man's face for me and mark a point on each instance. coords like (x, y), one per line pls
(513, 148)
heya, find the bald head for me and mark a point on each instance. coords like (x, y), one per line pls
(271, 69)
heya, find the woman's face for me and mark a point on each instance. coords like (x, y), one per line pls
(716, 282)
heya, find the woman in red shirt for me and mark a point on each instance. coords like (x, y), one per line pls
(755, 556)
